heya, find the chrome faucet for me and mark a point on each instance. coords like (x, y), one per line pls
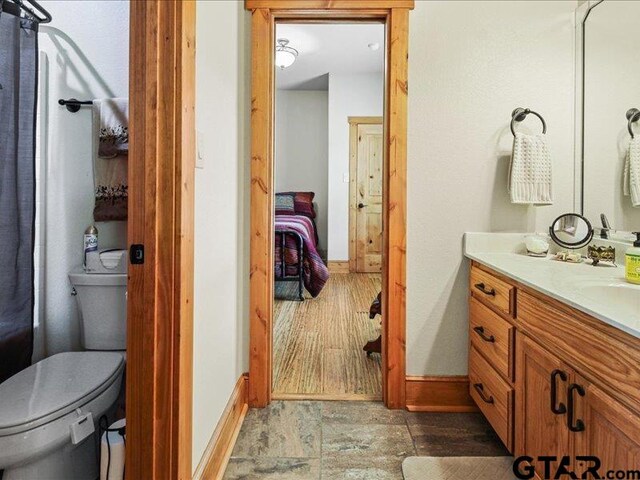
(606, 226)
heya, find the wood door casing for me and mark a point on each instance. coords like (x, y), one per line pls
(369, 199)
(394, 14)
(540, 432)
(612, 432)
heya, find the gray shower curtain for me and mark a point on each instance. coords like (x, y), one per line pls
(18, 76)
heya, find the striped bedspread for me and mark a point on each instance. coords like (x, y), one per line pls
(315, 272)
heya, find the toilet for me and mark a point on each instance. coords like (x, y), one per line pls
(44, 408)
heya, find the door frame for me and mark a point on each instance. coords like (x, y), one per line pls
(353, 182)
(395, 15)
(161, 173)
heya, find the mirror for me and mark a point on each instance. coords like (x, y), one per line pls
(610, 90)
(571, 231)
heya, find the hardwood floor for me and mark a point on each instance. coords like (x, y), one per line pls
(317, 351)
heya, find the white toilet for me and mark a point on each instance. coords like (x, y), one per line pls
(41, 405)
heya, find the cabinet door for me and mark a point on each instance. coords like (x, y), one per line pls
(541, 431)
(611, 431)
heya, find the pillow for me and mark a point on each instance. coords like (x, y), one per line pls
(303, 203)
(285, 204)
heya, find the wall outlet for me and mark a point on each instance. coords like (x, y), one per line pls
(200, 149)
(345, 177)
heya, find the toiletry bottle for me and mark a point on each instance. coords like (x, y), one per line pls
(632, 261)
(90, 241)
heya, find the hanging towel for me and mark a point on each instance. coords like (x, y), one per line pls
(530, 170)
(631, 180)
(111, 136)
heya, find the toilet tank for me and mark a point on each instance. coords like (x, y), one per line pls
(102, 300)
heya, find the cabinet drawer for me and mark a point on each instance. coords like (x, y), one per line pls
(493, 396)
(492, 336)
(492, 291)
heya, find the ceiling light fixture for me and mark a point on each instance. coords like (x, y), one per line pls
(285, 55)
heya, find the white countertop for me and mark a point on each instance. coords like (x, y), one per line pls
(572, 284)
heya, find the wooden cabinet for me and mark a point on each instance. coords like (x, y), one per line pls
(611, 431)
(563, 384)
(492, 336)
(493, 291)
(493, 396)
(542, 405)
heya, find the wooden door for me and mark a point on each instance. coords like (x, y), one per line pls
(368, 199)
(540, 431)
(610, 432)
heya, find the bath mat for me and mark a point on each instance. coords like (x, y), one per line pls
(458, 468)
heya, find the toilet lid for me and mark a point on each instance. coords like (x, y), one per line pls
(54, 387)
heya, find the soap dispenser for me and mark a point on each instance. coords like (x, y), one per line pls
(632, 261)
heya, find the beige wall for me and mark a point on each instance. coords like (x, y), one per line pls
(350, 95)
(221, 214)
(301, 149)
(471, 64)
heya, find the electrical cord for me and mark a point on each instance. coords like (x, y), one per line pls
(103, 425)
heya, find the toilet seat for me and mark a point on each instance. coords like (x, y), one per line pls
(54, 387)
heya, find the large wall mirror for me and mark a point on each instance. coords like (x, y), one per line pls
(610, 67)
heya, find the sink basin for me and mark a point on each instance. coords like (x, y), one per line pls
(623, 297)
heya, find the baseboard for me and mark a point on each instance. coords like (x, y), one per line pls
(327, 397)
(216, 455)
(338, 266)
(439, 394)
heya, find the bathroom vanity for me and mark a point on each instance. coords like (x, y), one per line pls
(554, 356)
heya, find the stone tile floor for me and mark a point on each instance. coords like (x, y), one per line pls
(350, 440)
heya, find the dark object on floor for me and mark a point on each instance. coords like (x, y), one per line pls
(376, 307)
(375, 346)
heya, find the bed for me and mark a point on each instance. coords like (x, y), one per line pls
(296, 243)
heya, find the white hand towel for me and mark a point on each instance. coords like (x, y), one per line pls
(631, 180)
(530, 170)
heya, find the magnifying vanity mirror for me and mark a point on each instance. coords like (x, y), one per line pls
(609, 94)
(571, 231)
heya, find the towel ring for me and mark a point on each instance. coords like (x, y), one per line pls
(519, 114)
(633, 115)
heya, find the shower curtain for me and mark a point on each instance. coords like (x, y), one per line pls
(18, 77)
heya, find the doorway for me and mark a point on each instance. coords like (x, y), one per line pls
(326, 74)
(365, 194)
(394, 15)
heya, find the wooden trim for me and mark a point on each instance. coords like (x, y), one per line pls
(261, 241)
(353, 182)
(161, 159)
(353, 188)
(216, 456)
(394, 218)
(365, 120)
(327, 397)
(328, 4)
(439, 394)
(394, 211)
(338, 266)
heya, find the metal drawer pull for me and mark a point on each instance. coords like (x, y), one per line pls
(561, 407)
(484, 336)
(480, 389)
(577, 425)
(483, 289)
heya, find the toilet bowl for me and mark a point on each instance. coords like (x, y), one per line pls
(40, 404)
(43, 407)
